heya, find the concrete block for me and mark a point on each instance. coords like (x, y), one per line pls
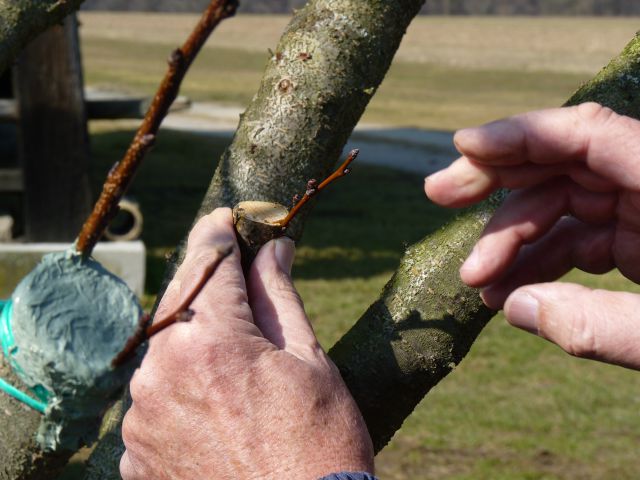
(124, 259)
(6, 227)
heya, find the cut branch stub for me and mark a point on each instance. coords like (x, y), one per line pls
(256, 223)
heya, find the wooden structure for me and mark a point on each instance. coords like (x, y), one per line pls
(52, 138)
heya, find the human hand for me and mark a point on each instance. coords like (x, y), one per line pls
(243, 390)
(575, 173)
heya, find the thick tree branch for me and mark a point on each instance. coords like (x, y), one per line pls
(617, 85)
(22, 20)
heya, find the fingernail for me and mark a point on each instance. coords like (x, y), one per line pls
(522, 312)
(472, 263)
(285, 252)
(433, 176)
(461, 136)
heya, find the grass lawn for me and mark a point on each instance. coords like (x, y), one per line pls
(449, 72)
(516, 408)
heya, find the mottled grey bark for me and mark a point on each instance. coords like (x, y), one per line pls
(425, 320)
(617, 85)
(22, 20)
(420, 328)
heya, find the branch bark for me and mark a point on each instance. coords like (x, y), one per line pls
(425, 320)
(22, 20)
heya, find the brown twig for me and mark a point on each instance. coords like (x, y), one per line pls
(181, 314)
(123, 172)
(313, 189)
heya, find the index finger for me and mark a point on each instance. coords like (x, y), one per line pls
(590, 133)
(593, 145)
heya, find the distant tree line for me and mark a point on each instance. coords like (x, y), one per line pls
(432, 7)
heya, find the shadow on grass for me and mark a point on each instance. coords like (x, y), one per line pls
(359, 227)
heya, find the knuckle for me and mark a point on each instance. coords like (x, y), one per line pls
(309, 350)
(127, 471)
(185, 344)
(577, 332)
(142, 387)
(129, 430)
(582, 338)
(131, 468)
(594, 112)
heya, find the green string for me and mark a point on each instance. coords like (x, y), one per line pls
(9, 349)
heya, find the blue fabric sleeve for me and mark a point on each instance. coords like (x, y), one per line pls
(349, 476)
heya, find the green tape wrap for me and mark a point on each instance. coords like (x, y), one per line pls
(8, 349)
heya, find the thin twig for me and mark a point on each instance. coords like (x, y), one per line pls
(181, 314)
(312, 189)
(123, 172)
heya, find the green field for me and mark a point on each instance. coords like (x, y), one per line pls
(449, 72)
(517, 407)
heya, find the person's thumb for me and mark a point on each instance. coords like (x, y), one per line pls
(277, 308)
(586, 323)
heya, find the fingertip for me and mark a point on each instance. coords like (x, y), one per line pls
(478, 269)
(465, 139)
(431, 186)
(493, 298)
(223, 214)
(275, 255)
(494, 142)
(216, 225)
(522, 310)
(285, 251)
(222, 218)
(461, 184)
(127, 472)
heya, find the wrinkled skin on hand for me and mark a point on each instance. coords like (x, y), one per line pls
(243, 390)
(575, 175)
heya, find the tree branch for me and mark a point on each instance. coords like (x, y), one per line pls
(22, 20)
(122, 173)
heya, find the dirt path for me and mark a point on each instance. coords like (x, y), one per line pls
(408, 149)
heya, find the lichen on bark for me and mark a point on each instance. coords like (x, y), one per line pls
(22, 20)
(617, 84)
(419, 329)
